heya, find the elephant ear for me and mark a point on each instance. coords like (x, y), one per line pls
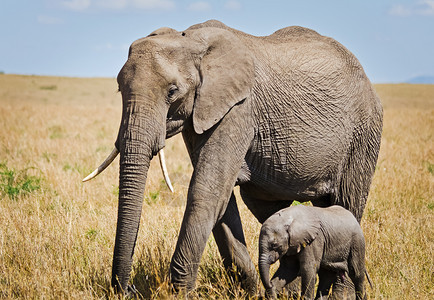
(227, 77)
(303, 227)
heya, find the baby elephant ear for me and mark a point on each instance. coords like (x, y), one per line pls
(303, 229)
(227, 77)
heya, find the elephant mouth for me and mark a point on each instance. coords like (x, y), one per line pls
(115, 152)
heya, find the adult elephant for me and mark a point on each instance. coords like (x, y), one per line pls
(290, 116)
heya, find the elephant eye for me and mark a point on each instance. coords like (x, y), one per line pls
(172, 90)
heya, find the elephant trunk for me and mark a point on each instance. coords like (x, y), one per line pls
(138, 141)
(266, 258)
(264, 271)
(132, 179)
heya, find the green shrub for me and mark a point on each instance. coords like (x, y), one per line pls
(56, 132)
(48, 87)
(152, 198)
(14, 183)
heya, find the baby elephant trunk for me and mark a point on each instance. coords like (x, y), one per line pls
(264, 272)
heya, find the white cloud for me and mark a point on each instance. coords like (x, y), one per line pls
(399, 10)
(232, 5)
(428, 8)
(200, 6)
(48, 20)
(76, 4)
(421, 8)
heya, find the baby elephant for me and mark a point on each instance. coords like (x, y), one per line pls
(308, 241)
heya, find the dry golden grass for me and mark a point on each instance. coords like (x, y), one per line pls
(56, 241)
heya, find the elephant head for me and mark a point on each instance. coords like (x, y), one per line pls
(171, 81)
(286, 232)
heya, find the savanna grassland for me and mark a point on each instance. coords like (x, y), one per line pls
(57, 234)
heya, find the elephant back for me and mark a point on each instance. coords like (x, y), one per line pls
(294, 31)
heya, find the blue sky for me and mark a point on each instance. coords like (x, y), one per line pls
(394, 40)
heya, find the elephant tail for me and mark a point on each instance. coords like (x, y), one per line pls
(358, 168)
(369, 279)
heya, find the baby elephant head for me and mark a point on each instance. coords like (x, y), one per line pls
(286, 232)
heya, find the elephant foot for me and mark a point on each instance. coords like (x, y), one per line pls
(246, 277)
(249, 281)
(250, 285)
(271, 293)
(131, 292)
(182, 279)
(343, 288)
(179, 288)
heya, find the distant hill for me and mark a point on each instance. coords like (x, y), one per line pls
(422, 80)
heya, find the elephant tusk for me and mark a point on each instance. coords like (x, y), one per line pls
(104, 165)
(164, 169)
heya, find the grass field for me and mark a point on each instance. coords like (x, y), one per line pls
(57, 234)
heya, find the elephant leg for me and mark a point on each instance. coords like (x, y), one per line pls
(309, 267)
(343, 288)
(357, 271)
(308, 280)
(217, 156)
(326, 279)
(205, 207)
(229, 236)
(286, 279)
(359, 286)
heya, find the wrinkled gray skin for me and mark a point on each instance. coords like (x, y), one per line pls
(290, 116)
(310, 241)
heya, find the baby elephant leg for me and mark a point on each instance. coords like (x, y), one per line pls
(309, 266)
(359, 284)
(326, 279)
(308, 280)
(357, 275)
(286, 279)
(357, 269)
(343, 288)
